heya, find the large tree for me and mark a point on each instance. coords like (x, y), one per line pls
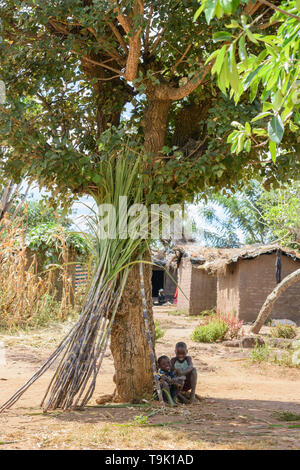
(71, 67)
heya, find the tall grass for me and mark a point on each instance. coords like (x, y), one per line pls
(27, 297)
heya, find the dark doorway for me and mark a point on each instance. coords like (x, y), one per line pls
(157, 282)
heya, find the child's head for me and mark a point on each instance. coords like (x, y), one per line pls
(181, 351)
(164, 363)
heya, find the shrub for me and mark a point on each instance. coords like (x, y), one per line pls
(216, 327)
(264, 354)
(208, 313)
(260, 353)
(233, 323)
(286, 416)
(213, 331)
(284, 331)
(159, 332)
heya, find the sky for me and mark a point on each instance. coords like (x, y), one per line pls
(83, 208)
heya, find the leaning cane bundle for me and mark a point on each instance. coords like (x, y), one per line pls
(82, 350)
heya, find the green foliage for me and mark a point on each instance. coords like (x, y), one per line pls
(37, 212)
(286, 359)
(267, 67)
(159, 332)
(140, 419)
(281, 213)
(242, 211)
(286, 416)
(265, 354)
(260, 353)
(65, 74)
(217, 326)
(213, 331)
(52, 238)
(209, 312)
(284, 331)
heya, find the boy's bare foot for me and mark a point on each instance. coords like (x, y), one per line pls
(192, 397)
(182, 398)
(105, 399)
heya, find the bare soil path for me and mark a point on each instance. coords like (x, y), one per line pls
(237, 411)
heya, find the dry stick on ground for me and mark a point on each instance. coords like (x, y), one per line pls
(271, 299)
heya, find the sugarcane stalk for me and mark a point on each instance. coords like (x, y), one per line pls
(148, 335)
(81, 352)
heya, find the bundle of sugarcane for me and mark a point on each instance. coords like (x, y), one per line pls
(82, 351)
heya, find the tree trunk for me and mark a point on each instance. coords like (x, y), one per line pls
(129, 347)
(155, 125)
(271, 299)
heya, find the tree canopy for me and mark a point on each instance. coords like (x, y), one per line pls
(270, 70)
(72, 68)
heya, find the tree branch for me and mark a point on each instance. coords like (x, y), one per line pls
(119, 37)
(134, 40)
(147, 34)
(102, 64)
(166, 92)
(156, 42)
(181, 58)
(274, 7)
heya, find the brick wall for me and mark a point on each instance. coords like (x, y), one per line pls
(228, 296)
(256, 282)
(169, 284)
(199, 287)
(203, 291)
(184, 281)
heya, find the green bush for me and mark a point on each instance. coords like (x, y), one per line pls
(260, 353)
(284, 331)
(211, 332)
(209, 312)
(286, 416)
(159, 332)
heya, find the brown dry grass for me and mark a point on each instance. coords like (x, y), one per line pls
(27, 297)
(122, 436)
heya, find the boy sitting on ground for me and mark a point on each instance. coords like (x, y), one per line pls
(169, 383)
(182, 366)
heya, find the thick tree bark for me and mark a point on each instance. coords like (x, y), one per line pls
(271, 299)
(155, 124)
(129, 347)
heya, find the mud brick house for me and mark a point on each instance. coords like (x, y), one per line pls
(198, 287)
(247, 275)
(164, 274)
(236, 280)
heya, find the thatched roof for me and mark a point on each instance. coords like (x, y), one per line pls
(214, 260)
(164, 259)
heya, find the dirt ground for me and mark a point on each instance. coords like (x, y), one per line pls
(237, 410)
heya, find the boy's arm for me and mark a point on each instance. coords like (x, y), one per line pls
(189, 361)
(190, 367)
(176, 371)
